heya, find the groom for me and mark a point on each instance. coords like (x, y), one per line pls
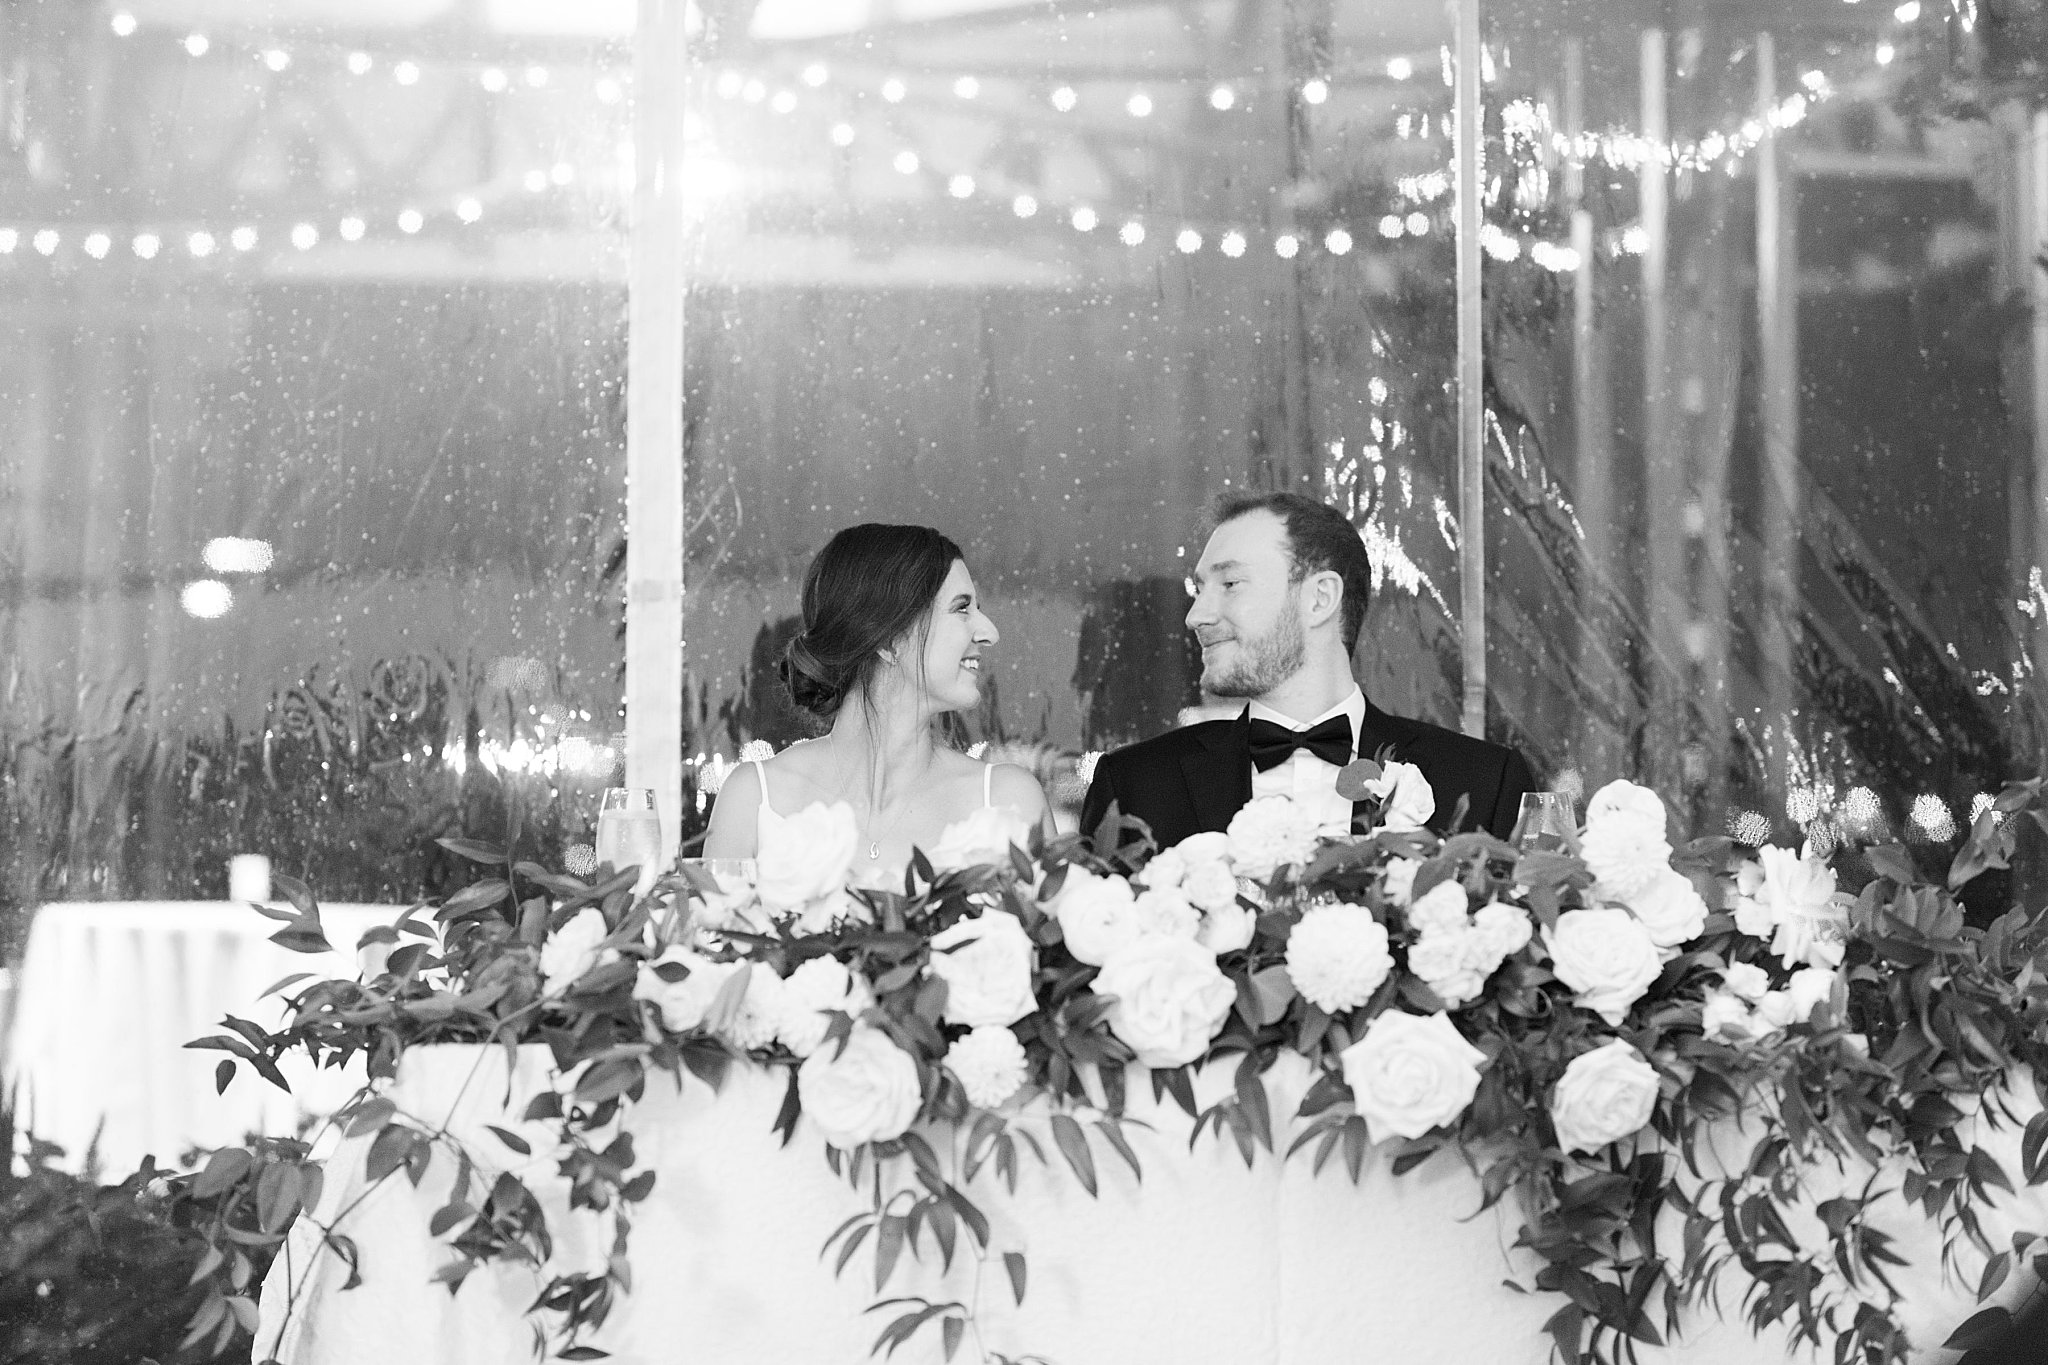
(1280, 594)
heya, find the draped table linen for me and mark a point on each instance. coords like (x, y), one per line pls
(109, 994)
(1204, 1260)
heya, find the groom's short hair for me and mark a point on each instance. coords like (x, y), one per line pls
(1320, 539)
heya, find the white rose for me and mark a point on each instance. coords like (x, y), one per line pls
(1791, 896)
(1226, 928)
(1607, 956)
(1753, 915)
(1671, 907)
(1445, 963)
(819, 985)
(981, 838)
(1170, 999)
(1166, 871)
(1397, 879)
(1209, 846)
(1095, 914)
(1506, 928)
(571, 951)
(1442, 911)
(867, 1092)
(1625, 798)
(1774, 1011)
(1211, 887)
(1624, 845)
(990, 1065)
(986, 964)
(764, 1003)
(1728, 1017)
(1166, 911)
(1269, 833)
(1405, 793)
(1604, 1096)
(1808, 988)
(1337, 956)
(805, 856)
(1746, 979)
(1411, 1073)
(683, 1003)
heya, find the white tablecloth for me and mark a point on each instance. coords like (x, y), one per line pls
(1205, 1261)
(110, 992)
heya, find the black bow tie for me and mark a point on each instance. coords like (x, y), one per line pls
(1272, 743)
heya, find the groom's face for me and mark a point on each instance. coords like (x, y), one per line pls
(1247, 614)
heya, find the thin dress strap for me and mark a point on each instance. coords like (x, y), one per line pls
(761, 776)
(988, 787)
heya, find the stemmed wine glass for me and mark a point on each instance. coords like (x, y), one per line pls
(1546, 822)
(629, 833)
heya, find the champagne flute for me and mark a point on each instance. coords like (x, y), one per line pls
(1546, 822)
(629, 833)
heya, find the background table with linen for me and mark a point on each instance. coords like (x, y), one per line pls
(109, 994)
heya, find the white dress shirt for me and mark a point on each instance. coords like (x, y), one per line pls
(1306, 778)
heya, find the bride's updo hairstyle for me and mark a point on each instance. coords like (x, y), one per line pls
(868, 587)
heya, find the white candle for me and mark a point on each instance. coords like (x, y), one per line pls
(248, 877)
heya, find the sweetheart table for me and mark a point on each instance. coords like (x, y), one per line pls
(1203, 1260)
(110, 993)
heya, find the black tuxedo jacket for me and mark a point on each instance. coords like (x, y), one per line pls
(1195, 778)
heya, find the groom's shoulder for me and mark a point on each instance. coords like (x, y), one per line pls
(1442, 741)
(1170, 746)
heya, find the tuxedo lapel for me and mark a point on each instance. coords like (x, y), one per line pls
(1219, 774)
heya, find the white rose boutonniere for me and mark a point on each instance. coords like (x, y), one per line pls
(1095, 914)
(1624, 845)
(865, 1092)
(1170, 998)
(1405, 797)
(1269, 833)
(981, 838)
(1604, 1096)
(990, 1065)
(572, 950)
(806, 856)
(1411, 1073)
(1607, 956)
(1337, 956)
(986, 964)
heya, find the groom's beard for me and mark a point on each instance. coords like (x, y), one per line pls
(1260, 664)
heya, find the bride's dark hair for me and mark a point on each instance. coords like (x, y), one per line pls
(869, 585)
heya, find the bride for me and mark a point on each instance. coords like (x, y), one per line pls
(892, 642)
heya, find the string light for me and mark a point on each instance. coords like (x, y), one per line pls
(536, 77)
(197, 44)
(1885, 53)
(1131, 233)
(493, 79)
(45, 241)
(1222, 98)
(784, 101)
(754, 91)
(410, 220)
(535, 181)
(1337, 242)
(1084, 219)
(961, 187)
(406, 73)
(243, 238)
(359, 63)
(123, 24)
(894, 90)
(202, 244)
(1189, 241)
(1232, 244)
(607, 90)
(1906, 14)
(1400, 69)
(1315, 91)
(352, 229)
(906, 162)
(468, 209)
(277, 59)
(1139, 105)
(96, 245)
(305, 236)
(842, 134)
(9, 239)
(1024, 206)
(967, 87)
(1286, 245)
(145, 245)
(815, 75)
(1064, 99)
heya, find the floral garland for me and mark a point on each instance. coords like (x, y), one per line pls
(1565, 1018)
